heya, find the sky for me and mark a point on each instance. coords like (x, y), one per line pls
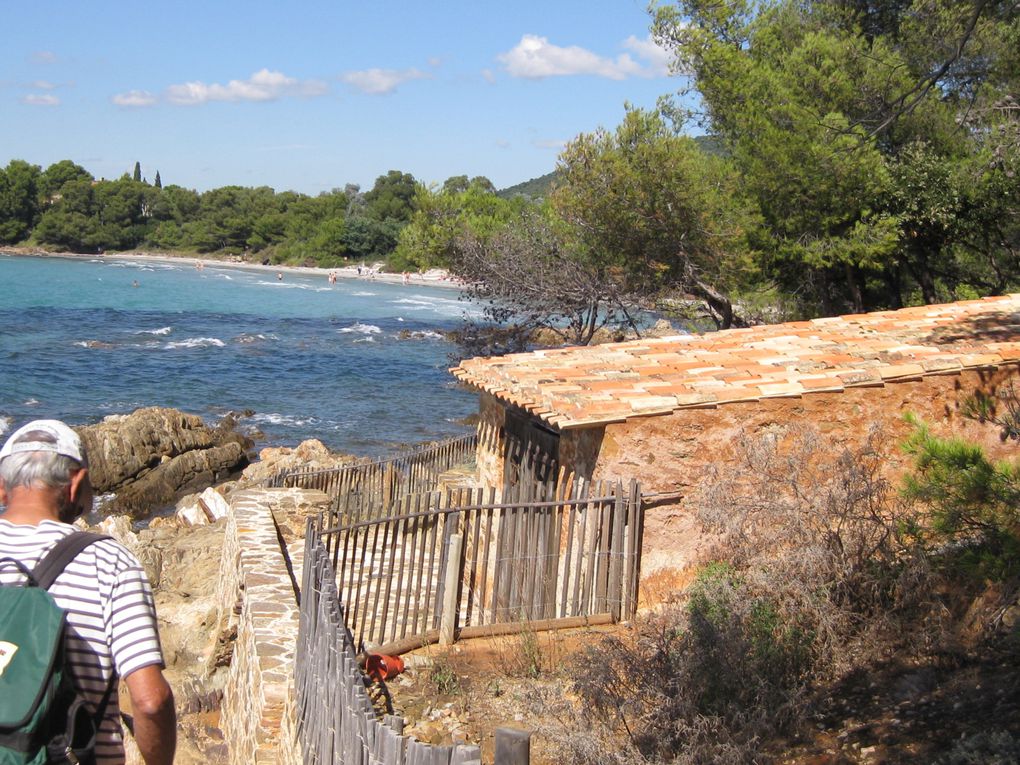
(311, 95)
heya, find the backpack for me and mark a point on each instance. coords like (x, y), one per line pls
(43, 719)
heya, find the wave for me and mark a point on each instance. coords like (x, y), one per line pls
(92, 344)
(160, 331)
(30, 402)
(282, 419)
(196, 342)
(423, 334)
(438, 305)
(365, 340)
(363, 329)
(5, 424)
(248, 338)
(293, 285)
(364, 294)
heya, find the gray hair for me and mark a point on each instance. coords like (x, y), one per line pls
(37, 469)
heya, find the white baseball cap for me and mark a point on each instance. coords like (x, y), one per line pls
(63, 440)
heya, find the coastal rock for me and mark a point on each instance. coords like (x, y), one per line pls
(202, 509)
(148, 457)
(308, 455)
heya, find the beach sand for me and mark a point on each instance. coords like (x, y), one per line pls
(436, 277)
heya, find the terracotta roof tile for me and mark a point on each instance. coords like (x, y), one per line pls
(582, 386)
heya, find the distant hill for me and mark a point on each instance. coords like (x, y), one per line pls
(536, 188)
(711, 144)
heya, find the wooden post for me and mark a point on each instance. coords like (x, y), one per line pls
(513, 747)
(450, 601)
(465, 754)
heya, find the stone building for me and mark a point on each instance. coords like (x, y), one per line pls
(664, 410)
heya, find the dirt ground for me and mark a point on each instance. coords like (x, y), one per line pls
(463, 693)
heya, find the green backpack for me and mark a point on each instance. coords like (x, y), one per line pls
(43, 719)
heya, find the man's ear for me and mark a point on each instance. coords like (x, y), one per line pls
(78, 477)
(3, 493)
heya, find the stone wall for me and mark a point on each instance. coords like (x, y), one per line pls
(257, 595)
(489, 455)
(674, 453)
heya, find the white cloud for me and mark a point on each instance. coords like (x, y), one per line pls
(658, 59)
(44, 57)
(44, 85)
(549, 143)
(134, 98)
(535, 58)
(40, 99)
(379, 81)
(264, 85)
(489, 76)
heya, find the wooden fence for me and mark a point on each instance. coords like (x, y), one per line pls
(359, 487)
(337, 722)
(439, 565)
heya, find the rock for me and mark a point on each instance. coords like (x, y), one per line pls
(148, 457)
(119, 527)
(311, 454)
(202, 509)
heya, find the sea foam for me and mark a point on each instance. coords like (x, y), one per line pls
(196, 342)
(362, 329)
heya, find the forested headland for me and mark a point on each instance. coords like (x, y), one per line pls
(854, 156)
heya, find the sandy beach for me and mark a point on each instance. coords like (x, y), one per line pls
(435, 277)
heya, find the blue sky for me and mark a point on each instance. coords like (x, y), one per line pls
(312, 95)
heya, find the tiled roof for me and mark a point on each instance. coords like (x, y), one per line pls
(595, 385)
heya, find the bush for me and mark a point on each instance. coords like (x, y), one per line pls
(984, 748)
(974, 503)
(817, 579)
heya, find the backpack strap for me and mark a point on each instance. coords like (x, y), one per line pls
(48, 569)
(61, 554)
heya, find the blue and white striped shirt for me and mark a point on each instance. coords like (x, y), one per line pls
(111, 615)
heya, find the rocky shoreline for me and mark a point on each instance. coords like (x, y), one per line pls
(182, 550)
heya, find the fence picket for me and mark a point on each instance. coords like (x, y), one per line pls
(559, 548)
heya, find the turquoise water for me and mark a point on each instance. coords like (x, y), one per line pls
(360, 365)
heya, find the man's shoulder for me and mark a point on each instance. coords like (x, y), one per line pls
(47, 533)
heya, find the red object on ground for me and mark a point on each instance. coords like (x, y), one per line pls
(381, 667)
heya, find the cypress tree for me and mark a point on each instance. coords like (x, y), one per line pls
(138, 172)
(158, 183)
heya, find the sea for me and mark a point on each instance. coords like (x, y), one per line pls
(361, 365)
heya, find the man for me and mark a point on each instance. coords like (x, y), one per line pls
(111, 617)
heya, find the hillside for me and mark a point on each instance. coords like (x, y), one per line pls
(539, 188)
(536, 188)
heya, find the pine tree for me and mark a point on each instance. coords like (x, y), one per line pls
(158, 183)
(138, 172)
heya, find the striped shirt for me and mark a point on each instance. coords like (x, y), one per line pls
(111, 615)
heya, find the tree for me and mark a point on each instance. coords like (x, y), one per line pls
(647, 207)
(19, 200)
(392, 197)
(834, 113)
(137, 176)
(157, 183)
(460, 207)
(528, 278)
(56, 175)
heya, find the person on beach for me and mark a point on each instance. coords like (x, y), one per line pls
(112, 630)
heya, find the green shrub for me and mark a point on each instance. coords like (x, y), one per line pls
(971, 502)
